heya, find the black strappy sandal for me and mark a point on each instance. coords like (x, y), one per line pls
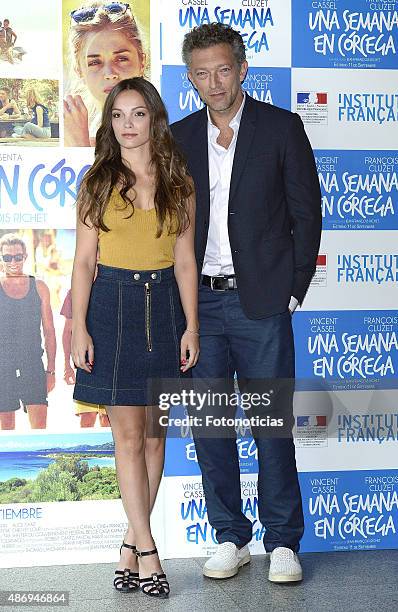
(126, 581)
(156, 585)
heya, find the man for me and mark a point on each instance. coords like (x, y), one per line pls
(257, 238)
(10, 37)
(3, 39)
(8, 110)
(25, 311)
(8, 107)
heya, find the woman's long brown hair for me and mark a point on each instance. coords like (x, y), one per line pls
(173, 183)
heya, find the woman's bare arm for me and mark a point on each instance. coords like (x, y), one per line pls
(82, 279)
(185, 271)
(39, 113)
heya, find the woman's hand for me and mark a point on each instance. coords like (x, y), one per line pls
(81, 344)
(76, 122)
(189, 342)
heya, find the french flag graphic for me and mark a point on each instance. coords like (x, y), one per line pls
(303, 98)
(317, 421)
(321, 98)
(309, 97)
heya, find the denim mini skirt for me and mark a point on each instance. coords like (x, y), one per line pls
(136, 321)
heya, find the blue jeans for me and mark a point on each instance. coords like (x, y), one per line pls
(36, 131)
(255, 349)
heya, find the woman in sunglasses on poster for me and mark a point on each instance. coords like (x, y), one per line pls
(105, 46)
(138, 321)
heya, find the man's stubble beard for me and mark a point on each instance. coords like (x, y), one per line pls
(231, 102)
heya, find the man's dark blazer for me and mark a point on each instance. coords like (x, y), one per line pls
(274, 210)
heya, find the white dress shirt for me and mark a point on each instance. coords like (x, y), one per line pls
(218, 258)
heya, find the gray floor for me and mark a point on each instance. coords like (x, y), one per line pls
(333, 582)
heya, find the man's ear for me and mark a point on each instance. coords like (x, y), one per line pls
(243, 71)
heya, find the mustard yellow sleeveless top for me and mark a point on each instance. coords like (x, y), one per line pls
(131, 243)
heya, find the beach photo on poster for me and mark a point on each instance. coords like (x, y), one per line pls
(63, 467)
(29, 112)
(29, 31)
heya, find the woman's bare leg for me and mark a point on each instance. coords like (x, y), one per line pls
(138, 485)
(154, 451)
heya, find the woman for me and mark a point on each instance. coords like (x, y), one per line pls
(105, 46)
(136, 204)
(39, 125)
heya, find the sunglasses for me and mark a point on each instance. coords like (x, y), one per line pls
(88, 13)
(17, 258)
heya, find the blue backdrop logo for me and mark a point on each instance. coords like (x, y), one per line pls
(342, 511)
(271, 85)
(346, 511)
(252, 23)
(180, 98)
(181, 459)
(359, 428)
(375, 268)
(359, 189)
(198, 530)
(367, 108)
(361, 36)
(350, 349)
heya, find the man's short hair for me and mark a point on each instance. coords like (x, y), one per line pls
(11, 240)
(6, 89)
(210, 34)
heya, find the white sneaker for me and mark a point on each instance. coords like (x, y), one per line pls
(226, 561)
(285, 566)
